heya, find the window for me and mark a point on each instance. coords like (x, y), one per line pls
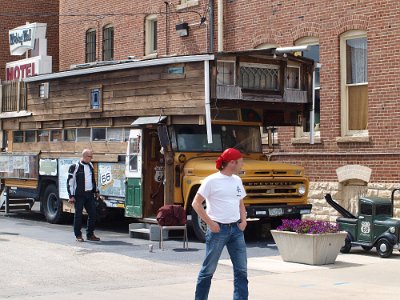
(108, 42)
(30, 136)
(151, 35)
(134, 150)
(18, 137)
(70, 135)
(383, 209)
(354, 83)
(193, 138)
(115, 134)
(83, 134)
(98, 134)
(225, 73)
(126, 134)
(43, 136)
(293, 77)
(260, 77)
(90, 45)
(95, 99)
(56, 135)
(366, 209)
(312, 53)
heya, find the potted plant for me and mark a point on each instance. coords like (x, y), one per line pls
(308, 241)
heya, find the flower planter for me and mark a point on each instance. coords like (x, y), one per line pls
(311, 249)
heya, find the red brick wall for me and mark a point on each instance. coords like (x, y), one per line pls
(248, 24)
(128, 19)
(17, 13)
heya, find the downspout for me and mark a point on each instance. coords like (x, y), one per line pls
(207, 100)
(220, 25)
(312, 120)
(211, 25)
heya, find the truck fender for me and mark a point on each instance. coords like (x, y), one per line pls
(388, 236)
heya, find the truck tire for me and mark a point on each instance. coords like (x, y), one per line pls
(52, 205)
(384, 248)
(347, 245)
(199, 226)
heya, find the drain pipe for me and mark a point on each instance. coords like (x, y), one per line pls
(312, 120)
(220, 25)
(207, 100)
(211, 25)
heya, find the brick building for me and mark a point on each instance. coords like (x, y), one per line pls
(356, 137)
(17, 13)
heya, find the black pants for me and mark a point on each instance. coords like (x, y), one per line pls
(86, 200)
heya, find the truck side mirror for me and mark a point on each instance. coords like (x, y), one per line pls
(163, 136)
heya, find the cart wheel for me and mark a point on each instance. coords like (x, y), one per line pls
(384, 248)
(347, 245)
(366, 248)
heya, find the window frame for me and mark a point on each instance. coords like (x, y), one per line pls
(65, 135)
(299, 130)
(52, 132)
(151, 35)
(234, 71)
(108, 53)
(90, 44)
(34, 136)
(344, 97)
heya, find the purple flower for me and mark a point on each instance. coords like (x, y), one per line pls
(308, 226)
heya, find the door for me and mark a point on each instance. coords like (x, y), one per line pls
(133, 174)
(153, 173)
(365, 223)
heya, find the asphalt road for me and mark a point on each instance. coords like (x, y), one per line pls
(42, 261)
(115, 239)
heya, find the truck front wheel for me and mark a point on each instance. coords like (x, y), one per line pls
(384, 248)
(347, 245)
(199, 226)
(52, 205)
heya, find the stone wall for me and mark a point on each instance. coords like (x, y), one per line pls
(346, 197)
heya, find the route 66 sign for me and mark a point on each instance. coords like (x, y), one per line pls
(159, 174)
(365, 227)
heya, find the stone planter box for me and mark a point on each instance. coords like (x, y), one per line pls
(310, 249)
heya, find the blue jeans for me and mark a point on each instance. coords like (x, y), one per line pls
(233, 238)
(86, 200)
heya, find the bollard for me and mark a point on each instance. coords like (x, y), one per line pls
(7, 206)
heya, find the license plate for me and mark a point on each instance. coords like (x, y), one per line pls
(261, 212)
(273, 212)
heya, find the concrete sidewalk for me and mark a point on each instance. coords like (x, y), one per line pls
(32, 269)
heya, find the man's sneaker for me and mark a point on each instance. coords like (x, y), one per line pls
(80, 239)
(93, 238)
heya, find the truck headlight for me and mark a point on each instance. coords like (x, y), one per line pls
(302, 189)
(392, 230)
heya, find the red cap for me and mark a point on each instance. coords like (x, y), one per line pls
(228, 155)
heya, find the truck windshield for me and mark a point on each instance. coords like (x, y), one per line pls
(193, 138)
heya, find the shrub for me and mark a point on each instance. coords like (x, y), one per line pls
(308, 226)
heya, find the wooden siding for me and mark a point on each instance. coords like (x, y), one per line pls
(135, 92)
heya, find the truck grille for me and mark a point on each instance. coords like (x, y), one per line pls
(277, 189)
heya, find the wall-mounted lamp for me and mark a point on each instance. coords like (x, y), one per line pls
(182, 29)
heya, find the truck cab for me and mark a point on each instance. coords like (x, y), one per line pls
(274, 190)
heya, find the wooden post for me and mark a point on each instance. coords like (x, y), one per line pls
(169, 178)
(18, 95)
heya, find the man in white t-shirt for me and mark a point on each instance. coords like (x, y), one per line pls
(226, 219)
